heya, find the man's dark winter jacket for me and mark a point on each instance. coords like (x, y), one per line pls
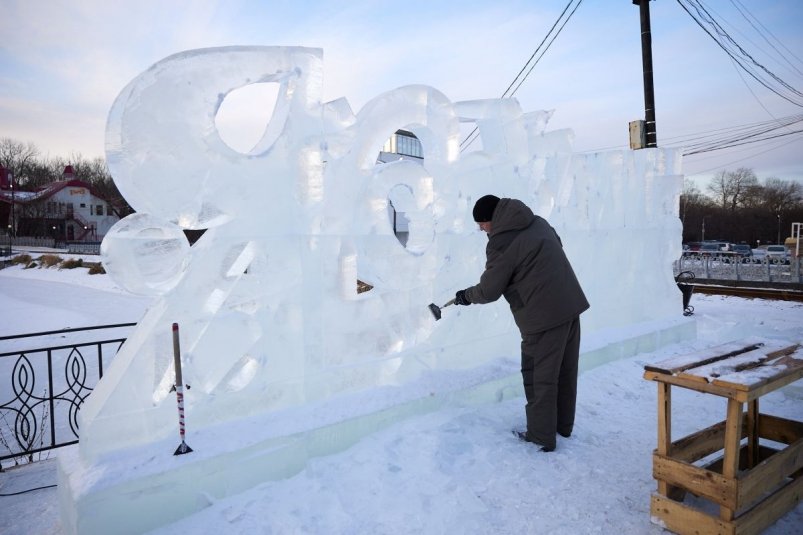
(526, 264)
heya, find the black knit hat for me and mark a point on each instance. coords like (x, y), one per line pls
(484, 208)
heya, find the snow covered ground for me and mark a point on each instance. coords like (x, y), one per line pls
(459, 470)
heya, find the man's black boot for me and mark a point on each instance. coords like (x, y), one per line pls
(522, 435)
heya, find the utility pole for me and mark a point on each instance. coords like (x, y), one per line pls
(646, 61)
(13, 211)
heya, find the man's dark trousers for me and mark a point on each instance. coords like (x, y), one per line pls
(549, 362)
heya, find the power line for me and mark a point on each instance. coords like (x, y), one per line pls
(759, 132)
(547, 47)
(722, 138)
(741, 77)
(537, 49)
(746, 157)
(700, 135)
(474, 134)
(781, 54)
(737, 136)
(738, 143)
(722, 32)
(695, 4)
(777, 57)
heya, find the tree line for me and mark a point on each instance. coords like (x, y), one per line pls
(739, 208)
(31, 170)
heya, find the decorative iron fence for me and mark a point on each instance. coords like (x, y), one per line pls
(42, 388)
(83, 247)
(26, 241)
(740, 270)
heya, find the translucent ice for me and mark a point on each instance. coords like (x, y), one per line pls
(144, 255)
(267, 301)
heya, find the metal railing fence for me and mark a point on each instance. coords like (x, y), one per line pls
(729, 268)
(42, 388)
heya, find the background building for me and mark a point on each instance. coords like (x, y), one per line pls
(402, 145)
(66, 210)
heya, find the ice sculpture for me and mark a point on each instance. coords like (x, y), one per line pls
(267, 299)
(273, 328)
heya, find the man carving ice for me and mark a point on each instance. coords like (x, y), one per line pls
(525, 262)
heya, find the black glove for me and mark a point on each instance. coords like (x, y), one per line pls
(461, 299)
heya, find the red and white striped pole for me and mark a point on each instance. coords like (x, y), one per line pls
(182, 448)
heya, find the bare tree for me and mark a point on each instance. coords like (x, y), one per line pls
(692, 200)
(753, 197)
(18, 157)
(94, 172)
(730, 187)
(781, 195)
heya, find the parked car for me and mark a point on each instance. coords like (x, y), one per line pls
(710, 249)
(759, 255)
(742, 251)
(778, 254)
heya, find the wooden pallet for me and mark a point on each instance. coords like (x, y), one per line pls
(752, 484)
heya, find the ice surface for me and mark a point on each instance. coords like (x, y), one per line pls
(144, 255)
(267, 302)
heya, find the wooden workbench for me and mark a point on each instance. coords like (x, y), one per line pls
(753, 484)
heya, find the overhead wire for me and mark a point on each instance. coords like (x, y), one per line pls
(750, 89)
(504, 94)
(742, 56)
(547, 47)
(778, 146)
(742, 9)
(720, 135)
(775, 55)
(743, 61)
(705, 133)
(723, 33)
(737, 143)
(518, 80)
(737, 135)
(698, 143)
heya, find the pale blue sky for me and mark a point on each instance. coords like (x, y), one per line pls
(62, 63)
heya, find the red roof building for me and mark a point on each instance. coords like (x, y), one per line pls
(66, 210)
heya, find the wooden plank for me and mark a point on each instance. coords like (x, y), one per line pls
(664, 428)
(769, 473)
(751, 425)
(764, 452)
(744, 369)
(762, 389)
(680, 518)
(768, 511)
(779, 362)
(694, 447)
(664, 418)
(779, 429)
(677, 364)
(715, 465)
(777, 377)
(733, 434)
(699, 481)
(693, 377)
(784, 352)
(695, 385)
(736, 364)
